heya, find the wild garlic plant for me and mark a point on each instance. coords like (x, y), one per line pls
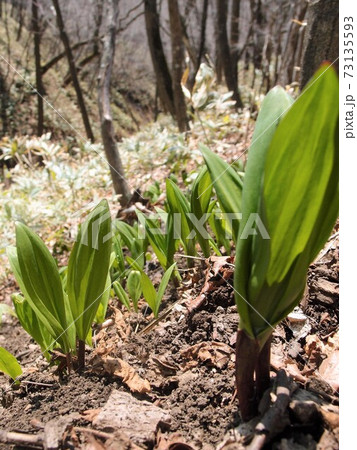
(291, 187)
(55, 311)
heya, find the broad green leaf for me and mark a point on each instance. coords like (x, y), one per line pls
(9, 364)
(148, 291)
(88, 268)
(133, 285)
(37, 275)
(30, 323)
(276, 103)
(117, 247)
(130, 237)
(163, 284)
(201, 192)
(156, 238)
(103, 305)
(227, 184)
(121, 294)
(300, 188)
(179, 205)
(171, 242)
(152, 298)
(218, 226)
(200, 201)
(298, 202)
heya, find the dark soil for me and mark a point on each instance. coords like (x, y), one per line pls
(196, 389)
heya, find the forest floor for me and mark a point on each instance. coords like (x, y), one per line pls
(173, 382)
(167, 383)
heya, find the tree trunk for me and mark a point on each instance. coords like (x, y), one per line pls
(291, 47)
(72, 67)
(21, 22)
(177, 65)
(195, 55)
(235, 37)
(108, 136)
(162, 73)
(86, 60)
(39, 85)
(230, 73)
(201, 48)
(321, 37)
(4, 100)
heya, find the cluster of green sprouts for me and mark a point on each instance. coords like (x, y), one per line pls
(277, 214)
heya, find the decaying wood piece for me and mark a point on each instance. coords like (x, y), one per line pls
(55, 430)
(138, 420)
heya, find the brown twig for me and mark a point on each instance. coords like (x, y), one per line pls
(100, 434)
(276, 418)
(22, 439)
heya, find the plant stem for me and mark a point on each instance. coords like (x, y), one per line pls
(81, 355)
(247, 351)
(69, 362)
(262, 369)
(251, 360)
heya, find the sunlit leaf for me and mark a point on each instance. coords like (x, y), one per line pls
(88, 268)
(9, 364)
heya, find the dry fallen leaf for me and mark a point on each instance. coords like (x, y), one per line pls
(329, 370)
(280, 362)
(171, 442)
(90, 414)
(120, 368)
(329, 367)
(213, 353)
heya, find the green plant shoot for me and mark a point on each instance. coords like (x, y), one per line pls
(291, 184)
(88, 269)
